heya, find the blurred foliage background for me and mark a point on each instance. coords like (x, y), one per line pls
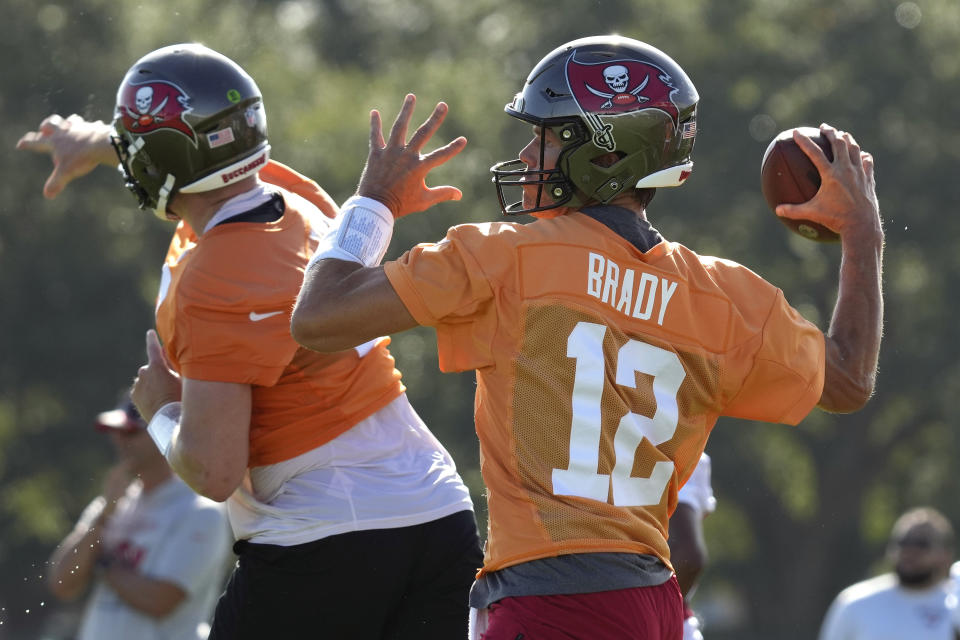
(802, 511)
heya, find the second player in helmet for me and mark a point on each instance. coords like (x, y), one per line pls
(338, 494)
(187, 120)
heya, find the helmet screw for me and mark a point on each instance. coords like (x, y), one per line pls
(566, 134)
(557, 192)
(614, 185)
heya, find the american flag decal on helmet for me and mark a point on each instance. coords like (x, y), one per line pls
(689, 129)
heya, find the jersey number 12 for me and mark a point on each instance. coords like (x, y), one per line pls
(580, 478)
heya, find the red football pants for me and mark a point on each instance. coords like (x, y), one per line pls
(640, 613)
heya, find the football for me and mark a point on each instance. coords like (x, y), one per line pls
(787, 176)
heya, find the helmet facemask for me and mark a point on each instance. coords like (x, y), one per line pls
(554, 189)
(126, 150)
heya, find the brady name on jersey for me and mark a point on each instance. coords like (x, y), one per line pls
(638, 294)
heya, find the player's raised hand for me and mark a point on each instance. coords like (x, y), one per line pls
(396, 170)
(156, 383)
(847, 198)
(75, 145)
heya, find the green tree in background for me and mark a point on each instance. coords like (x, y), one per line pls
(802, 511)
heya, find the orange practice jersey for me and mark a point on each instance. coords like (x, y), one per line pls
(224, 315)
(600, 372)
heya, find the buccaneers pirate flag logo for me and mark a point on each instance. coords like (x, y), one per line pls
(150, 106)
(615, 87)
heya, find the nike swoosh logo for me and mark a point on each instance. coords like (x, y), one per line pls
(257, 317)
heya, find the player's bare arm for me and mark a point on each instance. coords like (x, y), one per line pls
(71, 565)
(150, 596)
(209, 447)
(75, 145)
(344, 303)
(847, 203)
(688, 551)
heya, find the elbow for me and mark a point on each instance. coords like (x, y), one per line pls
(849, 378)
(217, 494)
(315, 332)
(847, 395)
(690, 563)
(697, 562)
(157, 599)
(165, 605)
(853, 404)
(62, 590)
(216, 488)
(304, 331)
(68, 572)
(210, 480)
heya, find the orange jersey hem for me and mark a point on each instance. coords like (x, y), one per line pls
(569, 547)
(282, 451)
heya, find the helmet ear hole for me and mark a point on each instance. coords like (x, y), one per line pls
(607, 160)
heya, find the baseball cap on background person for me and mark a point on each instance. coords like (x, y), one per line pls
(124, 417)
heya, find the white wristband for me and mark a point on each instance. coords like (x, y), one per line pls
(360, 234)
(162, 425)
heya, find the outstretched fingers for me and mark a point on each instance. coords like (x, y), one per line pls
(39, 140)
(426, 130)
(33, 141)
(396, 171)
(436, 195)
(376, 131)
(75, 147)
(56, 181)
(398, 133)
(439, 156)
(866, 159)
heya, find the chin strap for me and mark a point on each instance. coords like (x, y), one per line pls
(163, 197)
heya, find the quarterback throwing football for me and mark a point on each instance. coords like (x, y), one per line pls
(604, 353)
